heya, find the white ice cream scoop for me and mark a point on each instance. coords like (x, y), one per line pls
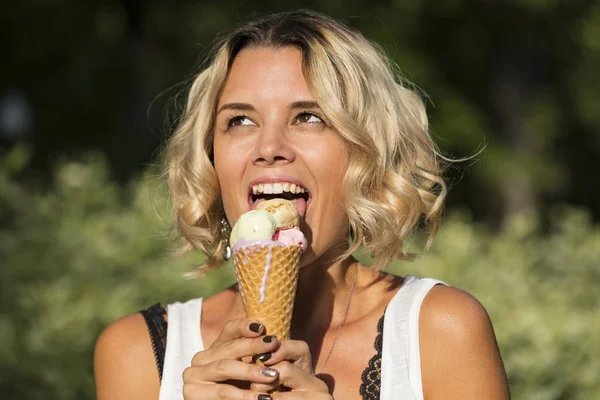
(253, 225)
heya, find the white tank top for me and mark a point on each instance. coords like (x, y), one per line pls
(400, 359)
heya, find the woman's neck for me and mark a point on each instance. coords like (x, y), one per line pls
(322, 296)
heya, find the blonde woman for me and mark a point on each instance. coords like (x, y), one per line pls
(300, 104)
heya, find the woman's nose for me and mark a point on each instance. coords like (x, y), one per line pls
(273, 147)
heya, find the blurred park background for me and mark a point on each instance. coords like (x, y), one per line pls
(85, 93)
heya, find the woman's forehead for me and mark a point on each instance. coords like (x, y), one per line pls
(265, 74)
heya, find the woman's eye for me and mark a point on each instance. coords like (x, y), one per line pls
(240, 120)
(308, 118)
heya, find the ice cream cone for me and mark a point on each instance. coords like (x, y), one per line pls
(267, 277)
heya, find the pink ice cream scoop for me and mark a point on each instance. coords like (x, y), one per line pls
(291, 237)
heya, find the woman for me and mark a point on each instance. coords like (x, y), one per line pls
(300, 106)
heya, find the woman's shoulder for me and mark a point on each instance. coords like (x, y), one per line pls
(457, 343)
(451, 308)
(449, 313)
(124, 364)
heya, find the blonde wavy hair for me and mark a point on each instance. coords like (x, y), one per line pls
(393, 181)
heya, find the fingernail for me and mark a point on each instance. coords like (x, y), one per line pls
(263, 357)
(270, 372)
(264, 397)
(255, 327)
(268, 339)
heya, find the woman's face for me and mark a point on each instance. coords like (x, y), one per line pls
(272, 140)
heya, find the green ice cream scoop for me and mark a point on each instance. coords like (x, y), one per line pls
(253, 225)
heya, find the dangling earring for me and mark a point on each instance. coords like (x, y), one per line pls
(225, 232)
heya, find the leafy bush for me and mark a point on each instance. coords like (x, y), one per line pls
(541, 292)
(73, 260)
(88, 251)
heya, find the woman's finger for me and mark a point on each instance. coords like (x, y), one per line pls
(296, 351)
(204, 391)
(237, 349)
(239, 328)
(263, 387)
(224, 370)
(298, 379)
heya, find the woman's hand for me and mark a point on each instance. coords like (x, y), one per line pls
(214, 372)
(293, 362)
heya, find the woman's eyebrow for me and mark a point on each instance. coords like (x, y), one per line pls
(236, 106)
(304, 104)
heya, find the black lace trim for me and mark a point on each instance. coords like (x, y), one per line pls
(157, 327)
(371, 376)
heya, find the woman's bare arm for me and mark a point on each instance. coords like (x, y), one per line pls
(124, 363)
(459, 353)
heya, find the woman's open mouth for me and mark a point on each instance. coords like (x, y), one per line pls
(280, 190)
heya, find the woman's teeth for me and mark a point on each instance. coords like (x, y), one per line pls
(277, 188)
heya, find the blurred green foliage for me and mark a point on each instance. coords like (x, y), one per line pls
(72, 260)
(78, 250)
(87, 251)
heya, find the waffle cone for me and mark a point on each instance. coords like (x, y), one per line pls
(278, 267)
